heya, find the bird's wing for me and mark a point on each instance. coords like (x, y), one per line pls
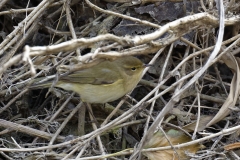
(86, 76)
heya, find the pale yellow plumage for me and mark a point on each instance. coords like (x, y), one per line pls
(105, 82)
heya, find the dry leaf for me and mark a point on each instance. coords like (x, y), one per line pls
(176, 137)
(204, 120)
(233, 63)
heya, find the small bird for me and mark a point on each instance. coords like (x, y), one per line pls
(102, 83)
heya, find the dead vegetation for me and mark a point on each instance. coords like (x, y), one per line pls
(192, 86)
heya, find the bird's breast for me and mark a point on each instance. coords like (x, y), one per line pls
(96, 93)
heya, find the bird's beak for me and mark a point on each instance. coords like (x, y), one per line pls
(147, 65)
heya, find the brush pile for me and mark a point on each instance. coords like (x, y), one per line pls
(186, 105)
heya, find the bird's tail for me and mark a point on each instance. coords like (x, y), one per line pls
(40, 86)
(41, 83)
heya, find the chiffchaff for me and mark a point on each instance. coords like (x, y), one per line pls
(104, 82)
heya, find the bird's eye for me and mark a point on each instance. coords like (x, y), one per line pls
(133, 68)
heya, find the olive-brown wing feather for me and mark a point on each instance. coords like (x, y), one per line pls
(96, 77)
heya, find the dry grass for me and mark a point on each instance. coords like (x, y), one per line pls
(193, 85)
